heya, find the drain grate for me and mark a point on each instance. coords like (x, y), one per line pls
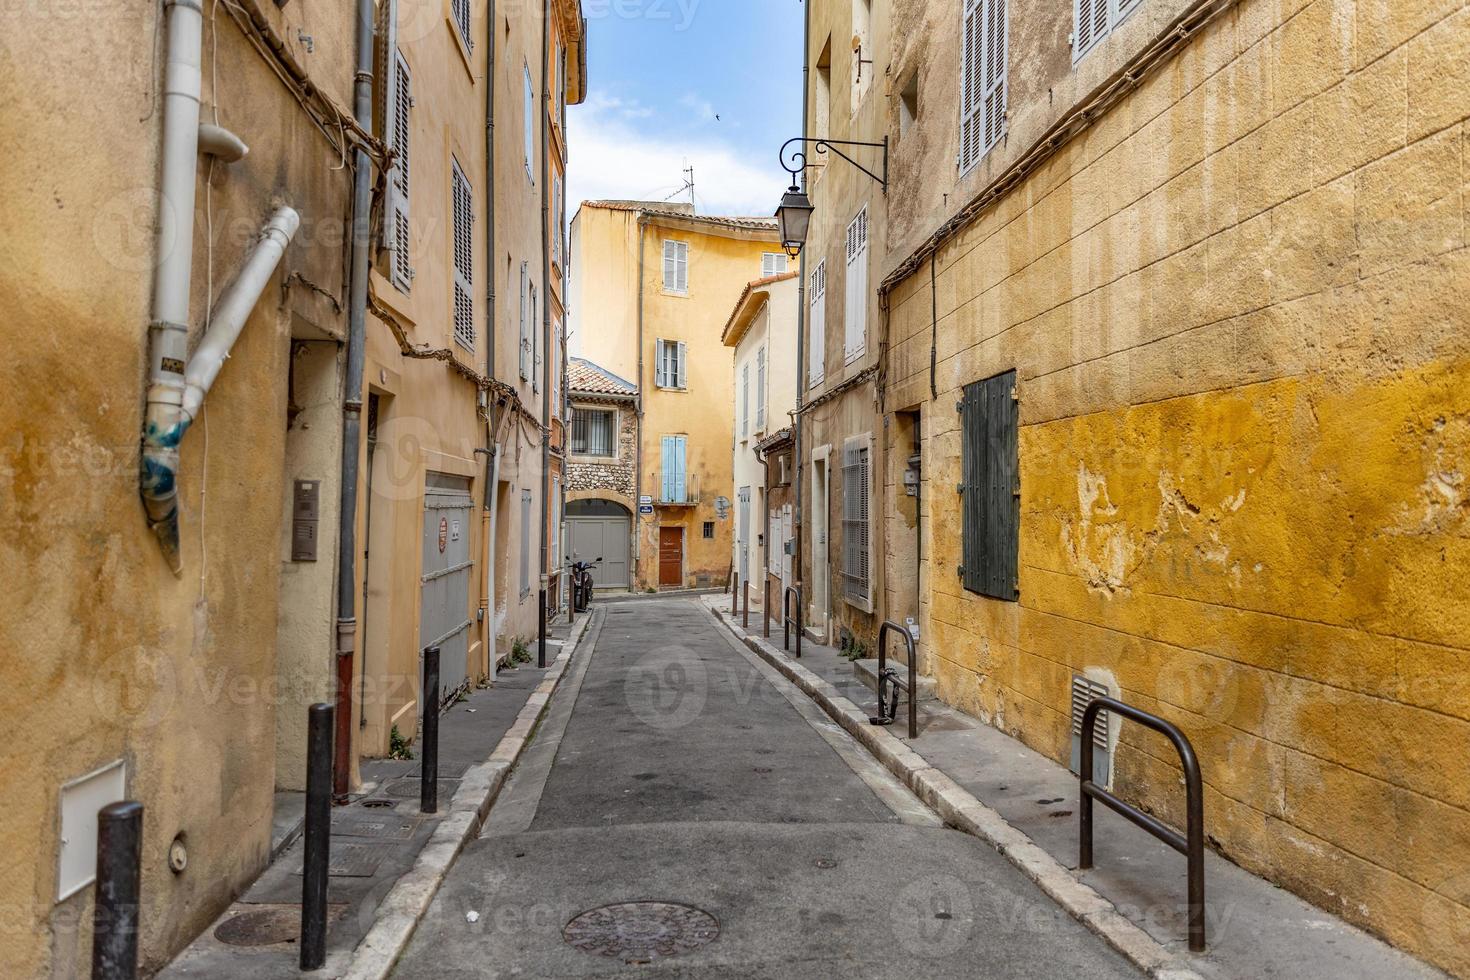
(640, 932)
(354, 860)
(378, 804)
(408, 789)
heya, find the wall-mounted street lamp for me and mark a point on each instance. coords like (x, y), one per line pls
(795, 213)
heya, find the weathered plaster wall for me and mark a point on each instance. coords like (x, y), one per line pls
(108, 654)
(1237, 306)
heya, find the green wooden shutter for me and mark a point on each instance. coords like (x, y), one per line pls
(990, 489)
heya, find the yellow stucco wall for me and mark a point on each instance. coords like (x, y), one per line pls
(108, 655)
(1237, 306)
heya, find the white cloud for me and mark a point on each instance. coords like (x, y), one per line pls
(614, 157)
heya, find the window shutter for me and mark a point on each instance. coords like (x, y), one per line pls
(396, 228)
(535, 344)
(996, 45)
(1092, 20)
(463, 223)
(461, 11)
(525, 325)
(856, 475)
(856, 299)
(671, 274)
(970, 85)
(530, 128)
(660, 377)
(760, 390)
(525, 542)
(682, 254)
(817, 328)
(745, 399)
(681, 489)
(991, 505)
(680, 359)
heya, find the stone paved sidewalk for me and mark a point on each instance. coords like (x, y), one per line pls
(1255, 928)
(377, 839)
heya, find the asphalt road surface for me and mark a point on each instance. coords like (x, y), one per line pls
(684, 811)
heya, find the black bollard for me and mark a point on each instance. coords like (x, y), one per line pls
(318, 836)
(429, 751)
(745, 623)
(115, 909)
(541, 633)
(766, 607)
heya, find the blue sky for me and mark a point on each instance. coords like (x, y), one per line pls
(660, 72)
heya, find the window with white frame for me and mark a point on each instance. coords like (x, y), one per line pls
(855, 301)
(983, 79)
(669, 364)
(676, 266)
(463, 224)
(856, 475)
(1093, 20)
(817, 326)
(592, 431)
(461, 11)
(530, 126)
(773, 264)
(760, 390)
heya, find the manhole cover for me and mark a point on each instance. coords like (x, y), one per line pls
(409, 789)
(354, 860)
(268, 925)
(639, 932)
(378, 804)
(388, 826)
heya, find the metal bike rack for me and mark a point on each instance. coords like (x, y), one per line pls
(887, 676)
(788, 622)
(1191, 843)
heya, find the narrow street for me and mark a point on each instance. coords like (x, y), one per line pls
(673, 767)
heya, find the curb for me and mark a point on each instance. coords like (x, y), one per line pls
(963, 811)
(408, 901)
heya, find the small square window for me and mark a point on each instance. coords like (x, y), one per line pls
(709, 530)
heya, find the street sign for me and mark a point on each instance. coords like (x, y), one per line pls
(645, 509)
(645, 500)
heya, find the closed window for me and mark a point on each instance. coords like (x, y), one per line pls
(674, 487)
(855, 304)
(669, 364)
(530, 127)
(592, 431)
(556, 218)
(817, 326)
(983, 82)
(990, 501)
(535, 345)
(676, 267)
(397, 234)
(856, 477)
(463, 225)
(745, 399)
(709, 530)
(1093, 20)
(773, 264)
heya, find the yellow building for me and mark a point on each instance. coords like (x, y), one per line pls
(172, 666)
(653, 288)
(1199, 281)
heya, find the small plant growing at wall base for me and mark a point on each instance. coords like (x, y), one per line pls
(398, 746)
(520, 653)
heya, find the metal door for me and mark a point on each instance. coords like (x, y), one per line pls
(671, 556)
(743, 529)
(444, 592)
(595, 532)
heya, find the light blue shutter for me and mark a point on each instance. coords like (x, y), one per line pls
(680, 488)
(667, 491)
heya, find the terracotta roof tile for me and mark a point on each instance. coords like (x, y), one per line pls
(587, 378)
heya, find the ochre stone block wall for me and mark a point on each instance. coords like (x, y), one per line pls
(1239, 306)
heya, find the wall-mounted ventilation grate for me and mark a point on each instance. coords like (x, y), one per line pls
(1083, 692)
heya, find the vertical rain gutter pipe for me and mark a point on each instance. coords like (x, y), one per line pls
(362, 86)
(168, 328)
(492, 425)
(545, 103)
(638, 467)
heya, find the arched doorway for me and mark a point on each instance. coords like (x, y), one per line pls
(600, 529)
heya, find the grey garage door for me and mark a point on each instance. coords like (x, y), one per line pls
(599, 529)
(444, 611)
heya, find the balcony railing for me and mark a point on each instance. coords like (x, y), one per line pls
(676, 491)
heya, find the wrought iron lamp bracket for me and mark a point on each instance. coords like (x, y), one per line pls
(794, 161)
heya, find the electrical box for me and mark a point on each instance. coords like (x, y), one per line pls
(81, 800)
(305, 515)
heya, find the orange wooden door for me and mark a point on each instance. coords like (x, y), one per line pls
(671, 556)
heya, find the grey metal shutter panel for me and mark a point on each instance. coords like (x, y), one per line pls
(990, 490)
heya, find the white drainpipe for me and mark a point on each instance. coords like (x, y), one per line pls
(177, 385)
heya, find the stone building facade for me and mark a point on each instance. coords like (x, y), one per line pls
(1209, 261)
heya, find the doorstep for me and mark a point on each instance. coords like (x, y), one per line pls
(986, 783)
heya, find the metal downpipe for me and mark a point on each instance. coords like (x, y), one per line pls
(352, 408)
(545, 103)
